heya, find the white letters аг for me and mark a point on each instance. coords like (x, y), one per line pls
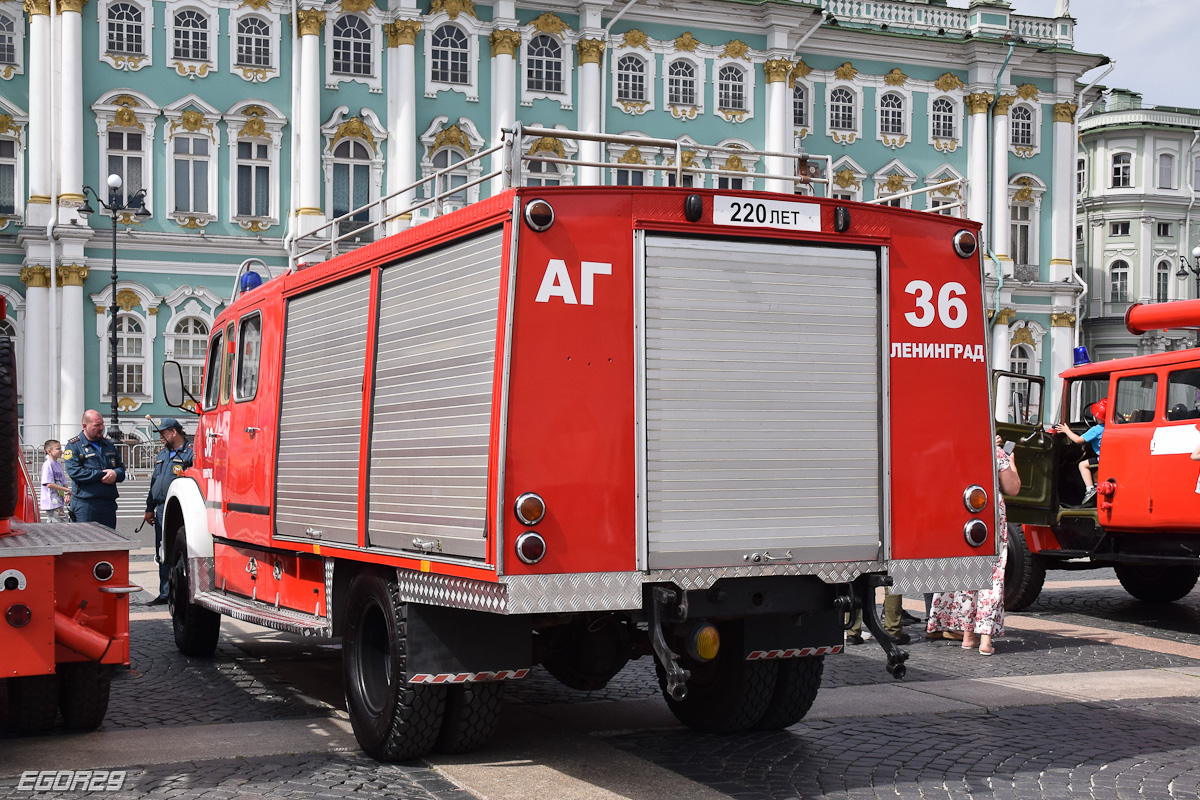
(556, 282)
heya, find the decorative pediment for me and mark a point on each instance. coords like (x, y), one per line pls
(687, 43)
(846, 72)
(632, 156)
(1027, 91)
(354, 128)
(550, 23)
(635, 38)
(452, 136)
(548, 144)
(895, 78)
(948, 82)
(453, 7)
(735, 49)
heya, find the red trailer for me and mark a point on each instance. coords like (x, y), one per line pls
(572, 426)
(64, 592)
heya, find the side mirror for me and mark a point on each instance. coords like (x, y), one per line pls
(174, 392)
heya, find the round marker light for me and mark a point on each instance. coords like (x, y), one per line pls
(975, 498)
(704, 641)
(103, 571)
(529, 508)
(18, 615)
(530, 547)
(965, 244)
(975, 532)
(539, 215)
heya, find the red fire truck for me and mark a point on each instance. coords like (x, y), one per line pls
(572, 426)
(64, 592)
(1143, 521)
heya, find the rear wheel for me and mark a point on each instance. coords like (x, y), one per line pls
(472, 714)
(1024, 573)
(33, 702)
(1157, 584)
(83, 690)
(196, 629)
(725, 695)
(393, 719)
(795, 690)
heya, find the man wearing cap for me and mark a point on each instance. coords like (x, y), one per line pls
(172, 460)
(93, 463)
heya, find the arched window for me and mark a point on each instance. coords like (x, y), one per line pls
(1022, 126)
(544, 66)
(631, 79)
(1020, 357)
(1162, 281)
(542, 173)
(191, 35)
(9, 169)
(253, 43)
(800, 106)
(943, 119)
(189, 340)
(891, 114)
(7, 331)
(351, 46)
(124, 29)
(1121, 170)
(731, 88)
(841, 109)
(450, 50)
(351, 184)
(1118, 282)
(8, 40)
(1166, 171)
(448, 157)
(130, 341)
(681, 83)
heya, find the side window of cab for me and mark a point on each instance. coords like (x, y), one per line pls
(249, 350)
(212, 370)
(1136, 397)
(1183, 395)
(227, 366)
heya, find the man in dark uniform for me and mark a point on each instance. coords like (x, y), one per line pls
(172, 460)
(94, 464)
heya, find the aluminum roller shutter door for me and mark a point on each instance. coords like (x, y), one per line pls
(761, 401)
(320, 418)
(432, 412)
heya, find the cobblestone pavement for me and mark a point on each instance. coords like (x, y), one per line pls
(1147, 747)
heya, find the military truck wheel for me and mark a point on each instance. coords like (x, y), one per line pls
(33, 702)
(1024, 574)
(726, 695)
(10, 450)
(393, 720)
(1157, 584)
(472, 714)
(83, 690)
(196, 629)
(795, 690)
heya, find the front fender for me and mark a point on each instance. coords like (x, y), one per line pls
(185, 501)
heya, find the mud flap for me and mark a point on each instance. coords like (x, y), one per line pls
(454, 645)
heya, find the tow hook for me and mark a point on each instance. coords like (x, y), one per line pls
(895, 656)
(666, 602)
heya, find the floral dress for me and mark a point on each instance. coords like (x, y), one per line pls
(980, 611)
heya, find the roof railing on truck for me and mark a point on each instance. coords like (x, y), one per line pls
(803, 175)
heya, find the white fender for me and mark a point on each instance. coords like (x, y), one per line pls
(186, 493)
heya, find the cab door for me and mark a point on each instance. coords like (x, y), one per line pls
(1176, 501)
(212, 433)
(1020, 410)
(250, 439)
(1135, 407)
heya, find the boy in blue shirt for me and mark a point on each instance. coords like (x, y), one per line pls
(1090, 440)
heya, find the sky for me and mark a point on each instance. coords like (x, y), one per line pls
(1149, 39)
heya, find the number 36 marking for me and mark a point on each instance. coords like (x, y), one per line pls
(951, 310)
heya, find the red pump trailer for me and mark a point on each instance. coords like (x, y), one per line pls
(572, 426)
(64, 593)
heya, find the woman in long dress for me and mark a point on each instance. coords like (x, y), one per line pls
(979, 615)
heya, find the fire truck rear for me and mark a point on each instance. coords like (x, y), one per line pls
(64, 593)
(574, 426)
(1143, 520)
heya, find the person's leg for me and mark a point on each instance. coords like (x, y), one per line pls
(892, 604)
(1085, 472)
(854, 633)
(164, 570)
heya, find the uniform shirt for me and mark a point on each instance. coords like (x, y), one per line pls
(52, 472)
(85, 462)
(168, 465)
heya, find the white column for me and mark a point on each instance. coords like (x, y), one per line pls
(1143, 290)
(590, 51)
(40, 135)
(36, 387)
(71, 365)
(402, 117)
(307, 167)
(1001, 233)
(1062, 237)
(1062, 357)
(70, 106)
(778, 123)
(1001, 357)
(505, 42)
(977, 162)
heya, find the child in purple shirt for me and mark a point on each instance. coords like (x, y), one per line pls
(55, 492)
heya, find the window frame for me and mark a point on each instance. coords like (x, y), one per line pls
(1119, 228)
(254, 73)
(1162, 281)
(192, 117)
(17, 134)
(1170, 170)
(1121, 397)
(749, 77)
(126, 60)
(628, 105)
(365, 131)
(239, 393)
(1121, 176)
(257, 122)
(565, 39)
(685, 111)
(472, 30)
(1112, 269)
(17, 20)
(374, 24)
(144, 312)
(127, 111)
(214, 363)
(889, 138)
(432, 143)
(193, 67)
(1034, 145)
(853, 133)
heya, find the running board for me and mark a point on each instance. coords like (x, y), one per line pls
(247, 610)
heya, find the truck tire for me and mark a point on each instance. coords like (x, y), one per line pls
(393, 720)
(795, 690)
(10, 450)
(1157, 584)
(33, 702)
(83, 690)
(472, 714)
(1024, 574)
(726, 695)
(196, 629)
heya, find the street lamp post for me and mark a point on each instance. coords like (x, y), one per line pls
(1185, 267)
(114, 206)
